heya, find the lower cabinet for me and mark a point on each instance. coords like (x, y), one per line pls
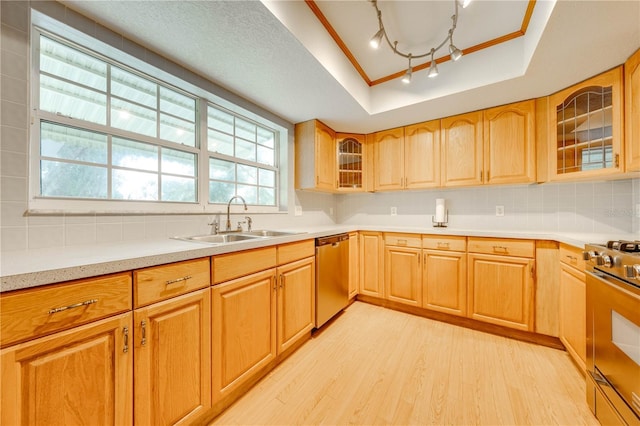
(403, 279)
(371, 264)
(354, 264)
(257, 317)
(172, 359)
(573, 317)
(78, 376)
(445, 281)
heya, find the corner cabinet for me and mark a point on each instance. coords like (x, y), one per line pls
(632, 111)
(315, 152)
(585, 129)
(350, 149)
(462, 150)
(509, 144)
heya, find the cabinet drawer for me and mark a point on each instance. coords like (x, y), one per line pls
(295, 251)
(37, 312)
(403, 240)
(445, 242)
(572, 256)
(504, 247)
(234, 265)
(162, 282)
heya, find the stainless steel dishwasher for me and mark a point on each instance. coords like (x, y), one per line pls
(332, 276)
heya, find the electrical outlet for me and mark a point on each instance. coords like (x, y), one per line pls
(298, 211)
(330, 211)
(394, 211)
(638, 210)
(499, 210)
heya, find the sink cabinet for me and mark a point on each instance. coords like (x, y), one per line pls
(585, 128)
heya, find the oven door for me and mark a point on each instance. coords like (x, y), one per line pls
(615, 342)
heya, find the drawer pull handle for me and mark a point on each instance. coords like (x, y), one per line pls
(281, 280)
(402, 242)
(77, 305)
(177, 280)
(125, 333)
(572, 258)
(443, 245)
(500, 248)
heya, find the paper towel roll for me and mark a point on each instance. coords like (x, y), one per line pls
(440, 210)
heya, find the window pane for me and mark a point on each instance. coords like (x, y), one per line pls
(221, 192)
(266, 137)
(177, 104)
(247, 174)
(245, 150)
(72, 144)
(131, 185)
(72, 100)
(220, 120)
(267, 197)
(178, 162)
(134, 118)
(249, 193)
(134, 155)
(220, 143)
(222, 170)
(72, 180)
(72, 65)
(266, 155)
(177, 130)
(245, 130)
(176, 188)
(133, 88)
(267, 178)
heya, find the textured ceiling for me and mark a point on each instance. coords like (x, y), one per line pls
(278, 55)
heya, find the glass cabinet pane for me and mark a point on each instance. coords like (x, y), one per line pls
(584, 130)
(349, 163)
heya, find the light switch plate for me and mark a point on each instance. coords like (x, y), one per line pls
(499, 210)
(298, 211)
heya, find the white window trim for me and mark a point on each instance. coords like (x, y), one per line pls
(52, 206)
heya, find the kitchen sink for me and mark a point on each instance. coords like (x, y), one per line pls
(268, 233)
(219, 238)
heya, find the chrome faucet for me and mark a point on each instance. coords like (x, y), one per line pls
(228, 227)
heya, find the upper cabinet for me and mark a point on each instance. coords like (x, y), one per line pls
(408, 157)
(315, 156)
(462, 149)
(509, 143)
(585, 128)
(632, 111)
(350, 163)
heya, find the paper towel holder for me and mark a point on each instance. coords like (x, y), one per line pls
(441, 224)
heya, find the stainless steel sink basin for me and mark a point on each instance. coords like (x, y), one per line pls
(268, 233)
(219, 238)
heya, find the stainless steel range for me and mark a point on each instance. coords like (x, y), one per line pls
(613, 331)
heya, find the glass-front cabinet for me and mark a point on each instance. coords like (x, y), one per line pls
(586, 128)
(350, 152)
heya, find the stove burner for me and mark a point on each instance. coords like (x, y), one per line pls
(624, 246)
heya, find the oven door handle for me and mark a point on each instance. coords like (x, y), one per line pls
(597, 377)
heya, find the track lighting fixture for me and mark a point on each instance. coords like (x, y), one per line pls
(454, 52)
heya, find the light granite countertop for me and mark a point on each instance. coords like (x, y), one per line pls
(31, 268)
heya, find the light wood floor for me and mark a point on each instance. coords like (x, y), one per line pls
(377, 366)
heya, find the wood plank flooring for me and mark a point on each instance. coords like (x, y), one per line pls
(378, 366)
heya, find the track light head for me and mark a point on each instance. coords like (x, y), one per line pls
(376, 40)
(454, 52)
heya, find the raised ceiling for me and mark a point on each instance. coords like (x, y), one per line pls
(279, 55)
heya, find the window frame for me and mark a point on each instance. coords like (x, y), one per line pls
(37, 204)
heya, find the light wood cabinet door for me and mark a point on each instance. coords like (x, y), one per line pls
(81, 376)
(389, 159)
(244, 329)
(586, 135)
(462, 150)
(350, 174)
(444, 281)
(354, 263)
(315, 151)
(172, 359)
(501, 290)
(509, 144)
(371, 264)
(573, 322)
(632, 111)
(403, 279)
(422, 155)
(296, 301)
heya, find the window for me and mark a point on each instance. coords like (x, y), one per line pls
(242, 159)
(107, 132)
